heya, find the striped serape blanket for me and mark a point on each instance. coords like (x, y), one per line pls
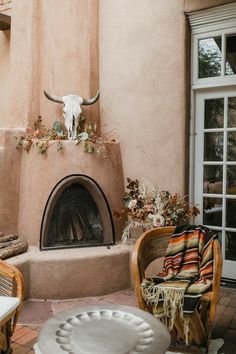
(186, 275)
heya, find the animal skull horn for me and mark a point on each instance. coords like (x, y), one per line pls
(92, 100)
(56, 99)
(86, 101)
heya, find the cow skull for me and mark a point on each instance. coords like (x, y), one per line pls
(72, 110)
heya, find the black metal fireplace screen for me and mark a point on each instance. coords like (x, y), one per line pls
(77, 214)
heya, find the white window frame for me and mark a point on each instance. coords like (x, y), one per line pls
(218, 21)
(222, 80)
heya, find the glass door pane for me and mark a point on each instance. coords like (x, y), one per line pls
(215, 170)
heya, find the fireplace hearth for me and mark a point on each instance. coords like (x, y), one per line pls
(77, 214)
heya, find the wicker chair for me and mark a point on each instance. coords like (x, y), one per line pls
(11, 299)
(152, 245)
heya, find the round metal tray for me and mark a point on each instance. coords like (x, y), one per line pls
(110, 329)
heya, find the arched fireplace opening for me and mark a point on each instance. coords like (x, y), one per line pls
(77, 214)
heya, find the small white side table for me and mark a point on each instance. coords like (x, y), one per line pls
(104, 329)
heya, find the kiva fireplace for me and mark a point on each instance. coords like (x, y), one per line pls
(67, 199)
(66, 203)
(77, 214)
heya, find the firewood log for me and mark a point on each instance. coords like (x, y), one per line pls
(13, 250)
(9, 243)
(7, 238)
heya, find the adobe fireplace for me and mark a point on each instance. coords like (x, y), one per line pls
(77, 214)
(48, 182)
(65, 203)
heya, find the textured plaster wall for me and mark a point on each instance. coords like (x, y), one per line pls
(142, 81)
(4, 76)
(10, 166)
(24, 58)
(68, 54)
(54, 48)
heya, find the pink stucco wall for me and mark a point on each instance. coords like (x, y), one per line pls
(142, 81)
(134, 51)
(4, 75)
(53, 49)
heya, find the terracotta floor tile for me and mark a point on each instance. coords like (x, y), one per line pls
(21, 332)
(35, 312)
(18, 327)
(122, 300)
(14, 346)
(24, 340)
(233, 303)
(224, 300)
(233, 323)
(31, 343)
(22, 350)
(83, 302)
(232, 293)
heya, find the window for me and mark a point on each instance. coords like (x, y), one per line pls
(213, 127)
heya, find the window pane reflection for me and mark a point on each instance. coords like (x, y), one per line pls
(230, 246)
(213, 146)
(230, 68)
(213, 176)
(209, 57)
(232, 112)
(231, 180)
(231, 146)
(212, 211)
(214, 113)
(230, 213)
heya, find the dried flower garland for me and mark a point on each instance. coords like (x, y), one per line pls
(145, 206)
(42, 138)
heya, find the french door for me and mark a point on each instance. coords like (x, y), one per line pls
(215, 168)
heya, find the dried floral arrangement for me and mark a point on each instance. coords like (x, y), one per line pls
(42, 138)
(147, 207)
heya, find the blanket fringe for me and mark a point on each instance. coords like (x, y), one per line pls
(171, 299)
(186, 321)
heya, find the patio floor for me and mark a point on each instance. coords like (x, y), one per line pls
(36, 312)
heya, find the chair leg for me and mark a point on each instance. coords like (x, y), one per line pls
(5, 338)
(208, 314)
(197, 330)
(9, 334)
(179, 327)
